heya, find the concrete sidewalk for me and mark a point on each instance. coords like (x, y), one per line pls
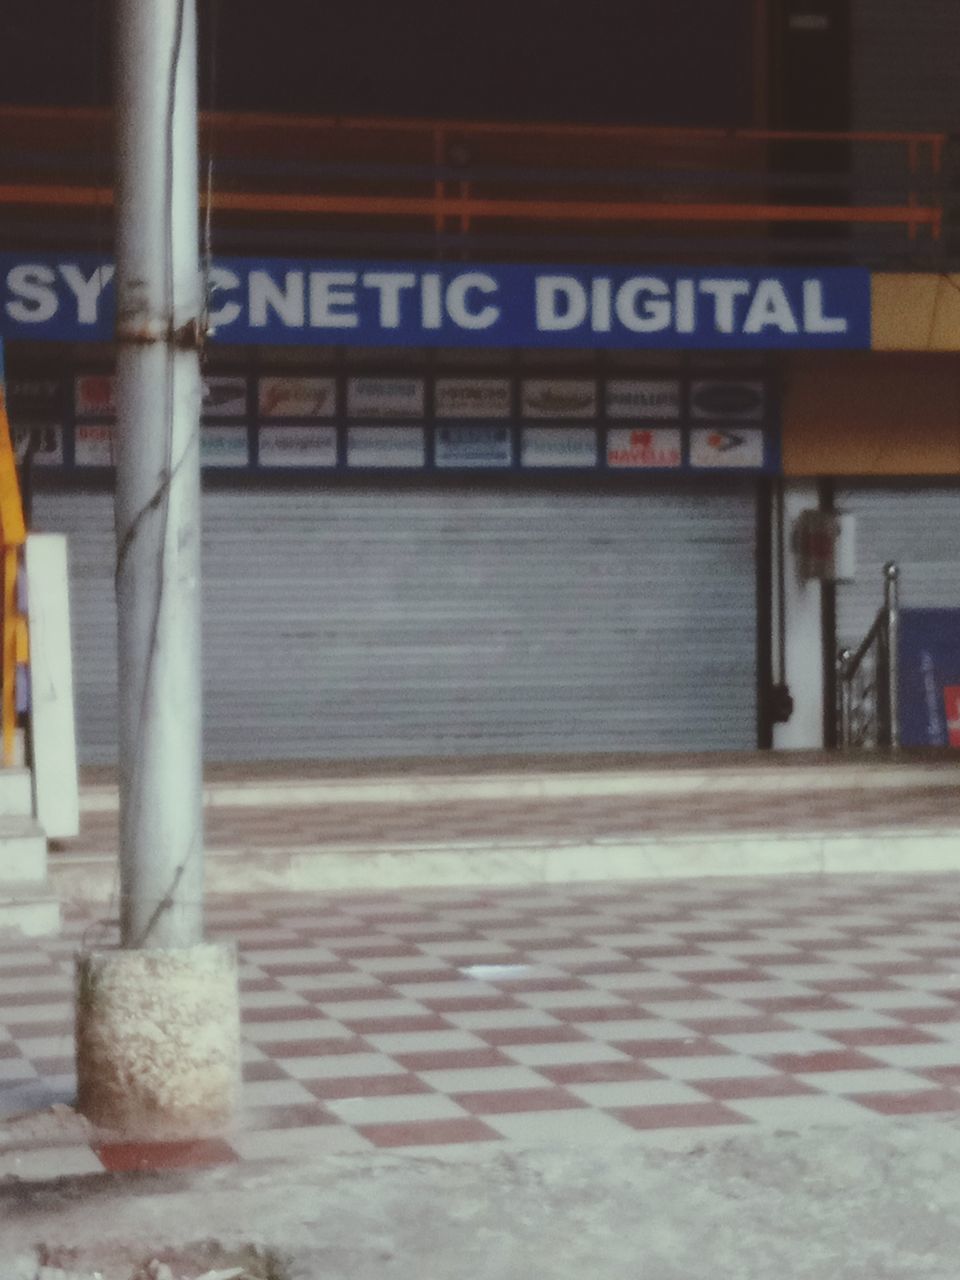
(314, 827)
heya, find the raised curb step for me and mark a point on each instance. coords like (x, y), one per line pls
(290, 792)
(31, 910)
(23, 851)
(16, 793)
(91, 877)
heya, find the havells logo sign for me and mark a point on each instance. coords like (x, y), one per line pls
(274, 301)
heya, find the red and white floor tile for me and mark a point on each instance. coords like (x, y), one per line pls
(438, 1020)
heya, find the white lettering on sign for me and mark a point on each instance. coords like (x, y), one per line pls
(650, 304)
(814, 320)
(770, 308)
(561, 303)
(221, 280)
(333, 300)
(284, 301)
(87, 292)
(389, 285)
(34, 297)
(644, 448)
(642, 305)
(724, 293)
(463, 309)
(268, 297)
(431, 301)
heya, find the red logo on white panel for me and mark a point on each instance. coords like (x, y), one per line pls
(643, 448)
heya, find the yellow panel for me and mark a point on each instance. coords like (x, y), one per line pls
(12, 528)
(915, 312)
(865, 414)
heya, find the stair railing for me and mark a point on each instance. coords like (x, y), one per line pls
(868, 712)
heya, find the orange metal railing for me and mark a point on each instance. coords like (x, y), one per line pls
(13, 535)
(473, 175)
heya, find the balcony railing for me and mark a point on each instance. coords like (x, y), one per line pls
(464, 189)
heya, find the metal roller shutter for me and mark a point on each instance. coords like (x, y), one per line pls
(915, 525)
(381, 621)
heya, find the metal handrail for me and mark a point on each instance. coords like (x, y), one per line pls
(481, 176)
(868, 710)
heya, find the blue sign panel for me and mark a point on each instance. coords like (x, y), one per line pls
(929, 677)
(70, 298)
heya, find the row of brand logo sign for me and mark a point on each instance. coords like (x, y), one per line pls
(655, 399)
(398, 446)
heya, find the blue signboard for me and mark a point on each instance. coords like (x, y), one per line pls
(929, 677)
(70, 297)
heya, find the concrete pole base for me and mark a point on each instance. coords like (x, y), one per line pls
(158, 1041)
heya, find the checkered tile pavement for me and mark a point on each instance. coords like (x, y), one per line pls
(587, 1013)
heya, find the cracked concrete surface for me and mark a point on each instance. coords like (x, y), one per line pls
(871, 1202)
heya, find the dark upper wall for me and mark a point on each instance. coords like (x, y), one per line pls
(642, 61)
(682, 62)
(905, 64)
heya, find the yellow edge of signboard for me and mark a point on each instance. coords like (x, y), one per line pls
(915, 311)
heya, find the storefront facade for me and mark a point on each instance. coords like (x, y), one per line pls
(525, 510)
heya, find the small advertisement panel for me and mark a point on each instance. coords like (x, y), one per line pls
(224, 397)
(286, 398)
(929, 678)
(477, 445)
(93, 445)
(644, 448)
(472, 398)
(710, 400)
(733, 447)
(297, 446)
(33, 398)
(224, 447)
(385, 397)
(643, 399)
(559, 447)
(385, 447)
(93, 396)
(558, 398)
(42, 443)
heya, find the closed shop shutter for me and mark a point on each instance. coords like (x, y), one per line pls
(454, 620)
(915, 525)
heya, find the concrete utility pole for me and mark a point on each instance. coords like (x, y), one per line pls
(157, 1021)
(159, 316)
